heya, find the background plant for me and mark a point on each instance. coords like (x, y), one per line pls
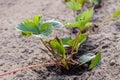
(76, 5)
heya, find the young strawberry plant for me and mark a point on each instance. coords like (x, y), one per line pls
(59, 45)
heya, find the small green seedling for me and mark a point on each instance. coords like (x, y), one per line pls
(57, 46)
(75, 4)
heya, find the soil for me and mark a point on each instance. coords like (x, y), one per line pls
(17, 51)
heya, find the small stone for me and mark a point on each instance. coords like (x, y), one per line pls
(105, 46)
(112, 62)
(25, 51)
(20, 75)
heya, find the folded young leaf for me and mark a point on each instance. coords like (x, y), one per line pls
(57, 45)
(67, 41)
(82, 38)
(95, 61)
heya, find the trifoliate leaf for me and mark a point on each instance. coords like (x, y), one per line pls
(38, 27)
(95, 61)
(82, 20)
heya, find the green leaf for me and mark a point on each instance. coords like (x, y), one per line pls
(74, 5)
(117, 13)
(95, 61)
(55, 24)
(86, 58)
(26, 34)
(45, 29)
(38, 27)
(86, 16)
(82, 2)
(67, 41)
(82, 20)
(28, 26)
(88, 25)
(57, 45)
(82, 38)
(37, 19)
(95, 1)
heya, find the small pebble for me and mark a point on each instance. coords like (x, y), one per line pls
(112, 62)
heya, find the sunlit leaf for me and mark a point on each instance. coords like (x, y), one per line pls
(117, 13)
(95, 61)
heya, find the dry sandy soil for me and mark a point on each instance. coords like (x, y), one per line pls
(17, 51)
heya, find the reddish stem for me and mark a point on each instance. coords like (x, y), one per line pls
(73, 47)
(27, 67)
